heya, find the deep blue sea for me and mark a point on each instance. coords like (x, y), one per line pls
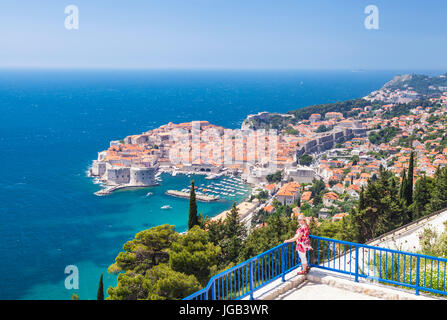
(53, 123)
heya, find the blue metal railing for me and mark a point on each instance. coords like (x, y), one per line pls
(243, 279)
(399, 268)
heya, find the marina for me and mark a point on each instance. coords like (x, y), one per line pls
(222, 188)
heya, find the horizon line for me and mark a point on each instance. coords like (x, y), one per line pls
(442, 71)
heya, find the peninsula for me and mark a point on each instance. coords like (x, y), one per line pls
(341, 144)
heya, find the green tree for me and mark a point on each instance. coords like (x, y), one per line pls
(380, 209)
(143, 269)
(259, 217)
(408, 192)
(193, 254)
(403, 185)
(262, 195)
(193, 219)
(234, 236)
(438, 200)
(423, 191)
(100, 294)
(306, 159)
(318, 187)
(130, 287)
(322, 128)
(168, 284)
(274, 177)
(158, 283)
(148, 249)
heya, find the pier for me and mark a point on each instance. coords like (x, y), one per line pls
(110, 189)
(199, 197)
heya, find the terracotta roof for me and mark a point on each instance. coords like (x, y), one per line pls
(331, 195)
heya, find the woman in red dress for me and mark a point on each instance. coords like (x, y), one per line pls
(302, 243)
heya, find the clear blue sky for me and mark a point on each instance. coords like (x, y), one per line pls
(228, 34)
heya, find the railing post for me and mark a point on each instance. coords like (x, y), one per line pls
(418, 261)
(283, 263)
(251, 280)
(356, 263)
(213, 291)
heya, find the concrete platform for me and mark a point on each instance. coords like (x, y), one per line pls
(321, 284)
(318, 291)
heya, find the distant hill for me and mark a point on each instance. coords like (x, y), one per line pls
(422, 84)
(405, 91)
(344, 107)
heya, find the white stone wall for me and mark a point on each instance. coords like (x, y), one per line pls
(142, 176)
(98, 168)
(117, 176)
(102, 155)
(301, 175)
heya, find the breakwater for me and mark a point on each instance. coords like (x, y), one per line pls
(199, 197)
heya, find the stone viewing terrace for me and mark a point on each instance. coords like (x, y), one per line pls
(329, 285)
(340, 270)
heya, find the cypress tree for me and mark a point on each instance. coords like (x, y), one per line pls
(193, 220)
(100, 294)
(403, 185)
(361, 205)
(409, 185)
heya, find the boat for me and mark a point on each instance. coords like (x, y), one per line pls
(212, 177)
(149, 194)
(166, 207)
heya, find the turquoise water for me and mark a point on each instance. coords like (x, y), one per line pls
(53, 123)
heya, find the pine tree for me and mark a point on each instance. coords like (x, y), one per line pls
(439, 196)
(100, 294)
(422, 195)
(193, 219)
(235, 233)
(379, 210)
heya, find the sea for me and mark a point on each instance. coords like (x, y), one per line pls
(54, 123)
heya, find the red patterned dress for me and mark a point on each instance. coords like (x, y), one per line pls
(303, 242)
